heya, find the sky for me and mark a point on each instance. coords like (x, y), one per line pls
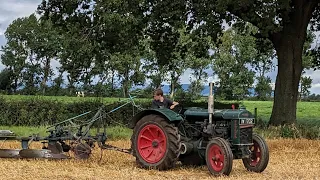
(13, 9)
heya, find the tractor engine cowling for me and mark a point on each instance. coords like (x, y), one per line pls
(234, 125)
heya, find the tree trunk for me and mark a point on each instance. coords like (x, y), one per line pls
(46, 75)
(112, 84)
(126, 84)
(289, 51)
(172, 86)
(289, 46)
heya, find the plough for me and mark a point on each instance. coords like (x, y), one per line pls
(67, 136)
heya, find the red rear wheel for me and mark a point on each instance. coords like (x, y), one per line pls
(155, 143)
(259, 158)
(152, 143)
(219, 157)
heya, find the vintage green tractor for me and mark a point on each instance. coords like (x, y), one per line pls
(197, 136)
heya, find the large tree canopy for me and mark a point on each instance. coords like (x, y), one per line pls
(284, 23)
(97, 38)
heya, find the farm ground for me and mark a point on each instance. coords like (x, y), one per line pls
(289, 159)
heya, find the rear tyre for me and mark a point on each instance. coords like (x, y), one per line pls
(155, 143)
(259, 158)
(219, 157)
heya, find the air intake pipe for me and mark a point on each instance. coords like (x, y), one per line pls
(210, 103)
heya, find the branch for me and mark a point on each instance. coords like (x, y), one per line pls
(254, 18)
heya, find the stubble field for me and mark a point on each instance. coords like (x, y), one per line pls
(289, 159)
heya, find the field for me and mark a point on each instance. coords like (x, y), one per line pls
(289, 159)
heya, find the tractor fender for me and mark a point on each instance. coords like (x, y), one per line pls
(166, 113)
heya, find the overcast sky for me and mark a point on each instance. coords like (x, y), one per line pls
(12, 9)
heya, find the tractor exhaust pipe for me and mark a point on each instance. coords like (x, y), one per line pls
(210, 103)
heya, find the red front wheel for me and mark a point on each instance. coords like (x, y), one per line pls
(155, 143)
(219, 157)
(259, 157)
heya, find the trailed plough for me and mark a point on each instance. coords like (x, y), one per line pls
(67, 135)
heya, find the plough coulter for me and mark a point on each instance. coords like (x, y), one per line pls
(161, 138)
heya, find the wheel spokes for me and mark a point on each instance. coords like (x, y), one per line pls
(151, 143)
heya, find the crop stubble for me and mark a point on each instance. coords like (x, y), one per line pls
(289, 159)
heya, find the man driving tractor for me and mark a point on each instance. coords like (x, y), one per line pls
(159, 101)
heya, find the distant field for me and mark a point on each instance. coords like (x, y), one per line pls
(306, 112)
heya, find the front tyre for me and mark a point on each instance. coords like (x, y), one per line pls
(155, 143)
(259, 157)
(219, 157)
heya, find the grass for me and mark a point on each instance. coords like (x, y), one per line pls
(114, 133)
(289, 159)
(308, 114)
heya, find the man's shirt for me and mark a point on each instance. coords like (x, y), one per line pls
(165, 104)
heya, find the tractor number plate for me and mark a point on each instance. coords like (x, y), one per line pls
(247, 121)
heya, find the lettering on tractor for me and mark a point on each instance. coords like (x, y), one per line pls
(161, 138)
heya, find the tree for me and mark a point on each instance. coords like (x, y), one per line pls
(95, 32)
(5, 80)
(263, 64)
(305, 85)
(16, 50)
(231, 60)
(263, 89)
(128, 69)
(284, 23)
(200, 60)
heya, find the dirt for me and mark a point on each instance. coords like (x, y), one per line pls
(289, 159)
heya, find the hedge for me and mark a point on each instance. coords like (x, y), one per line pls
(41, 112)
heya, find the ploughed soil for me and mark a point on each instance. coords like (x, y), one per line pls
(289, 159)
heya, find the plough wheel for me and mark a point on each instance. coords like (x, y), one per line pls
(55, 147)
(219, 157)
(155, 143)
(81, 150)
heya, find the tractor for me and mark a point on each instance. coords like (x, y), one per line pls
(198, 136)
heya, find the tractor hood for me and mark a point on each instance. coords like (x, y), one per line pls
(201, 113)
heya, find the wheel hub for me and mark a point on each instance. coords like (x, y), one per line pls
(255, 154)
(155, 143)
(217, 158)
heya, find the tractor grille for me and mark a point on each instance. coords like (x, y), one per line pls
(246, 135)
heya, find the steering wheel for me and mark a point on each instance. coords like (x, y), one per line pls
(178, 109)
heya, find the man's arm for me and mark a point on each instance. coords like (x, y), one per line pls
(172, 104)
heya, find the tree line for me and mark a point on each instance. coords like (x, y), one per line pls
(122, 43)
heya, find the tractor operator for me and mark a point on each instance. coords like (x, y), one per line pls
(159, 101)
